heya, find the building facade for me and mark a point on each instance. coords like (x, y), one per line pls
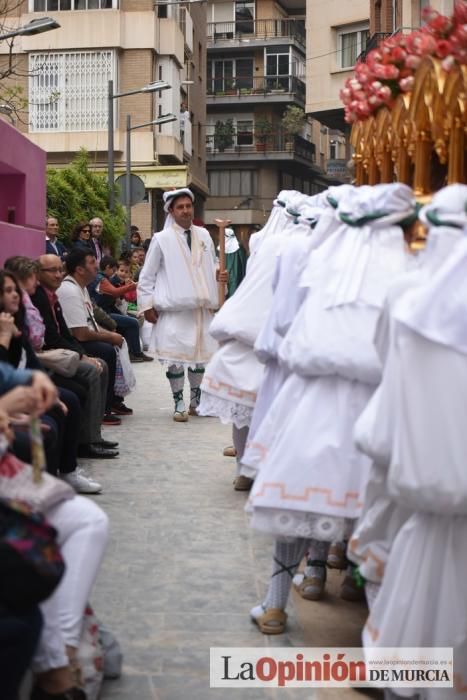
(338, 32)
(65, 76)
(255, 70)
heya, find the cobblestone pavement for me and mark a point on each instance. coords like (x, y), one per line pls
(183, 568)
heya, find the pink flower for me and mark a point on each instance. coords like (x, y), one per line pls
(448, 63)
(460, 13)
(388, 72)
(399, 55)
(375, 101)
(385, 93)
(441, 25)
(443, 48)
(406, 84)
(413, 62)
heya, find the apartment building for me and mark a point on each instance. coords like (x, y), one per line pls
(338, 32)
(65, 75)
(389, 16)
(255, 69)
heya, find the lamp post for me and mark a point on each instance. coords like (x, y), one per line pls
(163, 119)
(151, 87)
(35, 26)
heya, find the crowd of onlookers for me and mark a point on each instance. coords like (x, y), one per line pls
(67, 320)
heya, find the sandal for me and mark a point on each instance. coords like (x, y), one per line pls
(272, 621)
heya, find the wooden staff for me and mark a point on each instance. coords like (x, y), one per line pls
(222, 225)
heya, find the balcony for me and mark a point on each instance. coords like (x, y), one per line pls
(372, 43)
(255, 33)
(247, 89)
(248, 146)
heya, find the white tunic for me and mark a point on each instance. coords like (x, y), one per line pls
(181, 285)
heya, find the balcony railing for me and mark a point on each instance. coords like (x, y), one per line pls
(372, 43)
(244, 86)
(261, 29)
(251, 141)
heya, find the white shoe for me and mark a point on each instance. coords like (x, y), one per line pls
(81, 483)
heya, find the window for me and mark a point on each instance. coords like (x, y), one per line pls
(60, 5)
(232, 183)
(68, 91)
(245, 133)
(277, 69)
(244, 17)
(333, 150)
(351, 43)
(229, 75)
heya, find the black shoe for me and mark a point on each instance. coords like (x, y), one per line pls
(109, 419)
(121, 410)
(96, 452)
(109, 444)
(136, 358)
(72, 694)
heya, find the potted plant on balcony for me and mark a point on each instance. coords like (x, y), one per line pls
(293, 121)
(263, 131)
(224, 134)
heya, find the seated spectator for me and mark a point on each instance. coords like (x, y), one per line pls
(136, 262)
(82, 529)
(52, 244)
(25, 271)
(106, 294)
(121, 278)
(93, 370)
(81, 237)
(79, 316)
(16, 349)
(87, 382)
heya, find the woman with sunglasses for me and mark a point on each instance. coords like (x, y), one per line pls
(81, 237)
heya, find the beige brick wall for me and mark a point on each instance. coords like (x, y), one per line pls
(141, 217)
(136, 70)
(136, 5)
(18, 79)
(197, 94)
(268, 9)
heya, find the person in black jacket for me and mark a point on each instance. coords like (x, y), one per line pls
(57, 335)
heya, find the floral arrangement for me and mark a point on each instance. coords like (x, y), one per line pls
(389, 69)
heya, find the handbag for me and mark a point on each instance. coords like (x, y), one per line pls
(17, 482)
(31, 564)
(125, 380)
(60, 360)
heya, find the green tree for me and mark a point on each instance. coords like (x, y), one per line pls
(76, 193)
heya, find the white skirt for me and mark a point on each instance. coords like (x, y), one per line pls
(422, 601)
(182, 337)
(230, 384)
(309, 464)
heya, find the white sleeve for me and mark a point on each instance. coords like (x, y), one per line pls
(73, 306)
(147, 276)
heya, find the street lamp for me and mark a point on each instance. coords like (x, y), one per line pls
(156, 86)
(163, 119)
(35, 26)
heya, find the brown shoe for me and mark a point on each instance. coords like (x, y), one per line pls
(349, 589)
(230, 451)
(336, 556)
(242, 483)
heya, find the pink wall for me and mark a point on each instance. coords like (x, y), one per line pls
(22, 195)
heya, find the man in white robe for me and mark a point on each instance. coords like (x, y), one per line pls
(177, 291)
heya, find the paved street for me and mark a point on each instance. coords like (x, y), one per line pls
(183, 568)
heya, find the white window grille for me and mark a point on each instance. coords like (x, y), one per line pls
(68, 91)
(62, 5)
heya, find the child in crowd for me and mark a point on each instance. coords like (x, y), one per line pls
(108, 292)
